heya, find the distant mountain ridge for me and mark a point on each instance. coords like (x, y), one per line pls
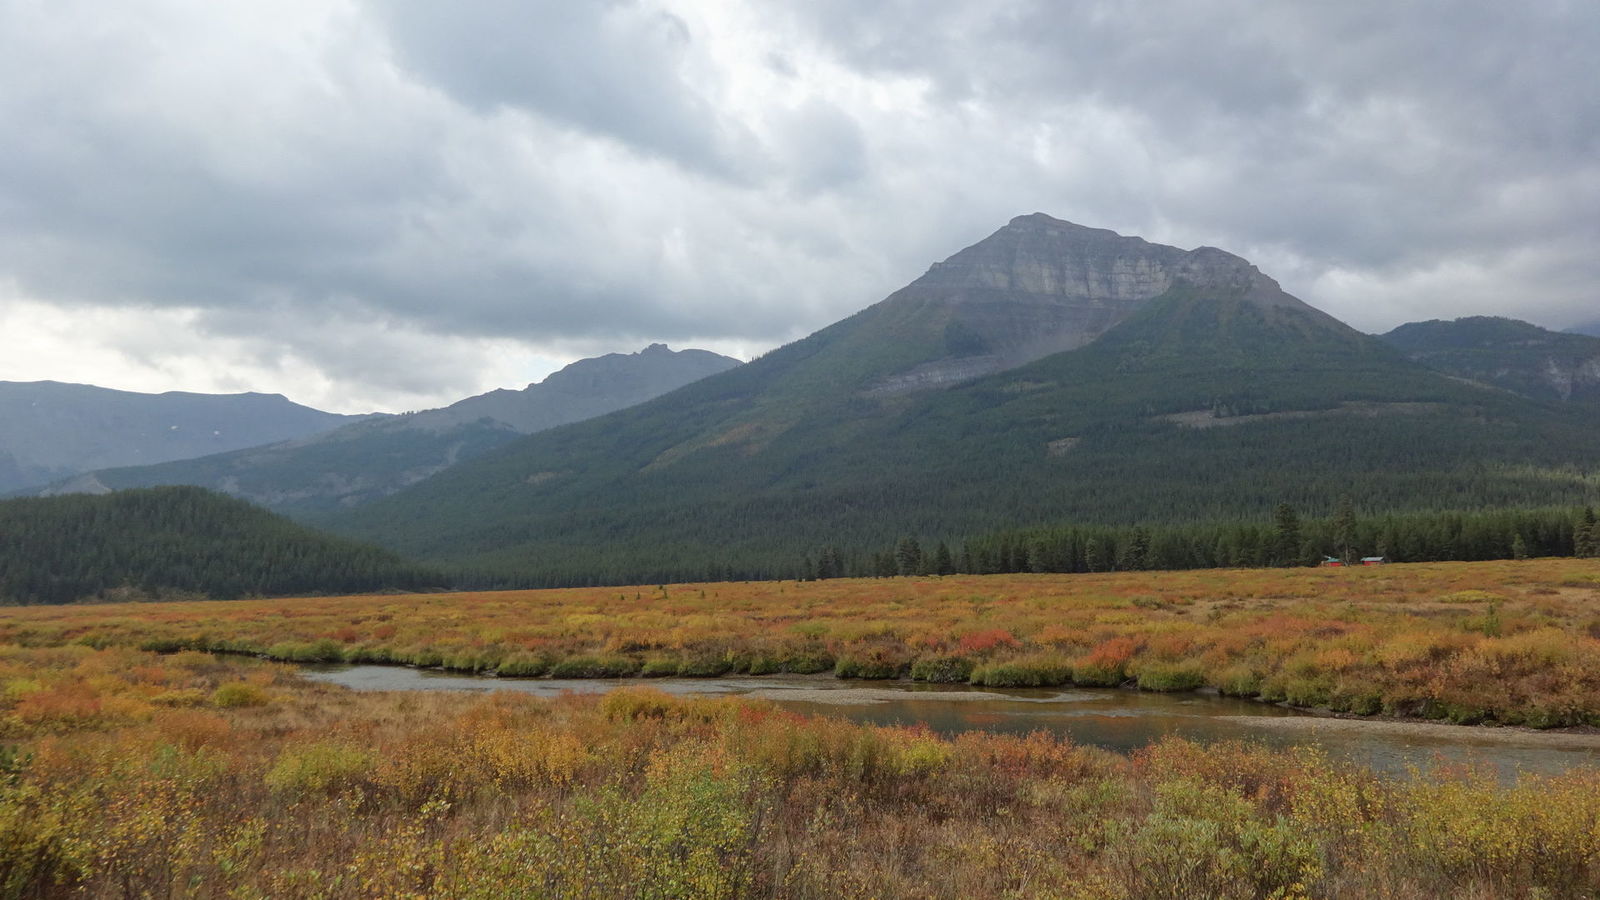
(1050, 373)
(1507, 353)
(581, 390)
(50, 430)
(365, 460)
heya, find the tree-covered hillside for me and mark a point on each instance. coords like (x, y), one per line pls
(1202, 406)
(170, 541)
(1529, 360)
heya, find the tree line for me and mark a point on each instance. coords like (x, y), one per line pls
(1286, 540)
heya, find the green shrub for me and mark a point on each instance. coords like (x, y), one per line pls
(942, 669)
(808, 662)
(874, 664)
(659, 667)
(708, 665)
(183, 697)
(424, 657)
(239, 693)
(1300, 691)
(1360, 698)
(522, 665)
(762, 664)
(474, 660)
(166, 645)
(1028, 671)
(318, 767)
(1206, 841)
(1164, 676)
(1239, 681)
(368, 653)
(1089, 674)
(323, 650)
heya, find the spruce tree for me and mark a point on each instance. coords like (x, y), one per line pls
(908, 556)
(1586, 538)
(1285, 535)
(1344, 528)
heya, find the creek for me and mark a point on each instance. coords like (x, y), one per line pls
(1117, 720)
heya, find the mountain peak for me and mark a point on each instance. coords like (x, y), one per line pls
(1041, 285)
(1046, 222)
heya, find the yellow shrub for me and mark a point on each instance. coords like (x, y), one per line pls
(239, 693)
(318, 767)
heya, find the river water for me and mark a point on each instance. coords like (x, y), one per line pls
(1116, 720)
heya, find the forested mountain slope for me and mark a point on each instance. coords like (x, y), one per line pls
(1216, 396)
(178, 540)
(1538, 364)
(50, 430)
(360, 462)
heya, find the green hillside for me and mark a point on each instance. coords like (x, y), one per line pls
(1526, 359)
(1207, 403)
(177, 541)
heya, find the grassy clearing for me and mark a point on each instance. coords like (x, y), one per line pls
(125, 773)
(1508, 642)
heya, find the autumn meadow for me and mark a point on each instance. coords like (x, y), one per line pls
(150, 750)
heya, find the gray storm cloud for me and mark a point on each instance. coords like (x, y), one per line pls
(370, 194)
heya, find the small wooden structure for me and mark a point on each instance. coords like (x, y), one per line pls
(1374, 560)
(1332, 562)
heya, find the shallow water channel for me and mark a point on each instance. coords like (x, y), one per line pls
(1113, 719)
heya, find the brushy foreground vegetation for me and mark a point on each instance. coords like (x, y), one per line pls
(126, 773)
(1509, 642)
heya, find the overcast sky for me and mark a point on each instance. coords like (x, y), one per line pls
(391, 204)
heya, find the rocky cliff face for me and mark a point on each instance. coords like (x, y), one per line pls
(1041, 285)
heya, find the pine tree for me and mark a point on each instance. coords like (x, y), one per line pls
(908, 556)
(942, 563)
(828, 564)
(1344, 528)
(1586, 538)
(1285, 535)
(1519, 548)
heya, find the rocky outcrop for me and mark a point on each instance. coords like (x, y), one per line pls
(1042, 285)
(1569, 377)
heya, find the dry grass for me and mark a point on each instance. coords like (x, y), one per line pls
(1513, 642)
(124, 774)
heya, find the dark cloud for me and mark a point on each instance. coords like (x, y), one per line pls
(613, 67)
(392, 193)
